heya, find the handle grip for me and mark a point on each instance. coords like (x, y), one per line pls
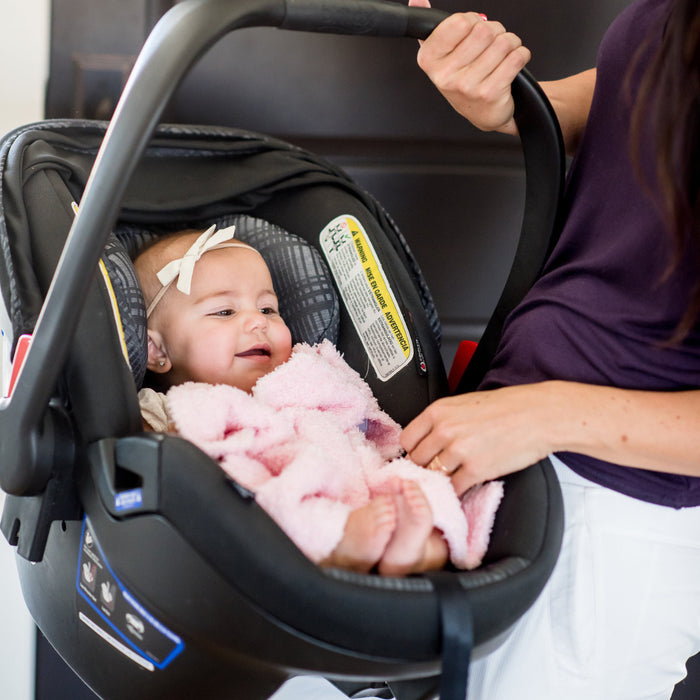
(361, 17)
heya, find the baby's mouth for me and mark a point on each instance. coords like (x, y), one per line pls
(257, 351)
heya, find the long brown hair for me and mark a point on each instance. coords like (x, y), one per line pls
(669, 101)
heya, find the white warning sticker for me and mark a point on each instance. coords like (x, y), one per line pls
(367, 295)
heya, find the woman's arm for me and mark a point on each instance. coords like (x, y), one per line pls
(473, 62)
(571, 99)
(484, 435)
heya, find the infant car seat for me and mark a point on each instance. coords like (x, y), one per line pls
(150, 572)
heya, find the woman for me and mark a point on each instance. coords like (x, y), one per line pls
(600, 364)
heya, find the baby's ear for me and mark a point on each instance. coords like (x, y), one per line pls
(158, 360)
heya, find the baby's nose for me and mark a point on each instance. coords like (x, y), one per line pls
(257, 320)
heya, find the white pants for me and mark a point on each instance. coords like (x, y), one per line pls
(620, 614)
(617, 619)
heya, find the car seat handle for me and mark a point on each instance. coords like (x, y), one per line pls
(360, 17)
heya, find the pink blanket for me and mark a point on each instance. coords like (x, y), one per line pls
(313, 444)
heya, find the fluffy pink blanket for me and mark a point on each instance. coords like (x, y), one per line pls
(313, 444)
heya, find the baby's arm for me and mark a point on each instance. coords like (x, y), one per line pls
(154, 413)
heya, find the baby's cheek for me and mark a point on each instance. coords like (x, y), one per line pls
(287, 343)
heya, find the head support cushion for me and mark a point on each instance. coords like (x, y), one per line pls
(308, 300)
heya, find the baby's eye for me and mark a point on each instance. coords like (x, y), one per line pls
(268, 310)
(222, 313)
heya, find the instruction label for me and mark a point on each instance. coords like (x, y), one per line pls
(113, 613)
(367, 295)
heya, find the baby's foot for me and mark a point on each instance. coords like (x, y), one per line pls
(406, 549)
(367, 533)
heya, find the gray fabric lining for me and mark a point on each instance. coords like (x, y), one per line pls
(132, 309)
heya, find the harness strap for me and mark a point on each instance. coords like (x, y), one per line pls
(457, 635)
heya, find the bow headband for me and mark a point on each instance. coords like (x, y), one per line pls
(182, 268)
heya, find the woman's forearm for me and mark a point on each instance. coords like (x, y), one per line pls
(486, 434)
(650, 430)
(571, 99)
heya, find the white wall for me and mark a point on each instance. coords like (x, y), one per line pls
(24, 43)
(17, 635)
(24, 48)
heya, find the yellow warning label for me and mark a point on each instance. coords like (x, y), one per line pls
(367, 295)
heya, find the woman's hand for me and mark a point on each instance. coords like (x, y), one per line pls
(483, 435)
(473, 62)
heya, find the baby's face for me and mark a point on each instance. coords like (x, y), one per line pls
(228, 329)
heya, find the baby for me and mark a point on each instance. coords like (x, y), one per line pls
(213, 318)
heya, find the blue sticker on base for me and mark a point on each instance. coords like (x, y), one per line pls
(131, 629)
(128, 500)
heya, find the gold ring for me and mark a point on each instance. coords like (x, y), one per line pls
(436, 465)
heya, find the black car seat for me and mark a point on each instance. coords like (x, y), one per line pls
(210, 599)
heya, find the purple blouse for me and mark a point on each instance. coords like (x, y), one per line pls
(602, 311)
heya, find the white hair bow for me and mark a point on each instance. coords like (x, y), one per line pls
(183, 268)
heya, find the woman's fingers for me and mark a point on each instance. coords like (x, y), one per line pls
(483, 435)
(447, 38)
(413, 434)
(429, 435)
(473, 62)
